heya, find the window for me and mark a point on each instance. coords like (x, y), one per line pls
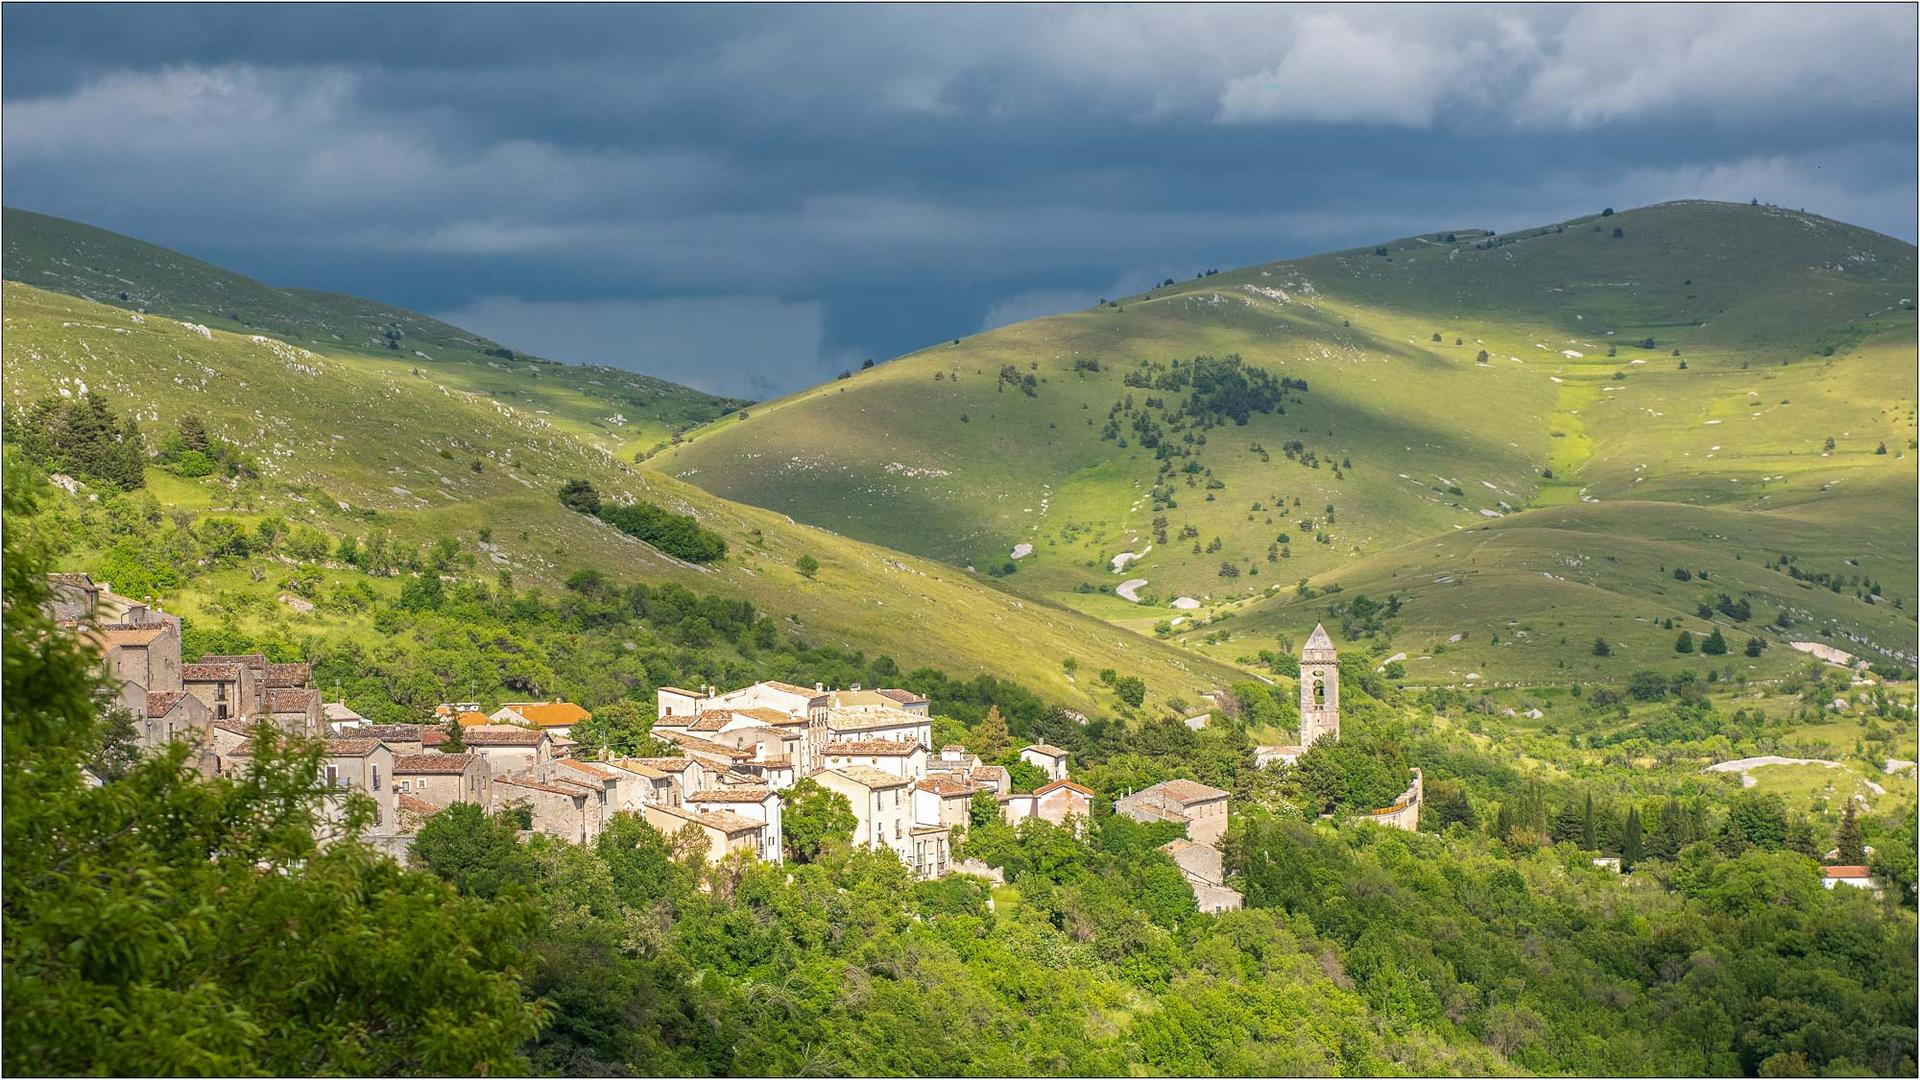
(220, 711)
(375, 784)
(333, 776)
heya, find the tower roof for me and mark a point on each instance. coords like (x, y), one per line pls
(1319, 639)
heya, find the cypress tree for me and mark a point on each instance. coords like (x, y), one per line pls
(1588, 840)
(1852, 846)
(1630, 846)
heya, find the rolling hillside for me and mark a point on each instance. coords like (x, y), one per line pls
(349, 441)
(622, 410)
(1520, 435)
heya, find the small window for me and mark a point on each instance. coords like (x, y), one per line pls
(333, 776)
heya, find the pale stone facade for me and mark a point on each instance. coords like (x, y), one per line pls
(1048, 759)
(1201, 809)
(445, 779)
(1319, 689)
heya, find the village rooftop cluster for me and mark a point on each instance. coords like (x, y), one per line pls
(724, 757)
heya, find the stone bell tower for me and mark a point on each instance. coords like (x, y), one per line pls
(1319, 688)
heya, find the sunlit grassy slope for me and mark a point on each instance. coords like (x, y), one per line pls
(621, 410)
(354, 440)
(1791, 328)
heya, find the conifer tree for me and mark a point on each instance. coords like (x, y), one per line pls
(1630, 845)
(1852, 846)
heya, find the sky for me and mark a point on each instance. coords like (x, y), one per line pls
(750, 199)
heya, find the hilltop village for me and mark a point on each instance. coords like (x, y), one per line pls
(723, 758)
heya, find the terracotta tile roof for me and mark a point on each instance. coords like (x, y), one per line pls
(636, 768)
(1068, 784)
(496, 735)
(868, 776)
(781, 762)
(291, 700)
(289, 675)
(868, 718)
(695, 743)
(474, 719)
(728, 822)
(943, 786)
(586, 769)
(414, 805)
(434, 764)
(730, 795)
(551, 789)
(904, 697)
(214, 672)
(234, 727)
(548, 714)
(256, 661)
(130, 636)
(770, 716)
(789, 688)
(586, 785)
(1186, 792)
(160, 703)
(681, 692)
(709, 722)
(873, 747)
(352, 747)
(78, 581)
(1045, 748)
(1848, 872)
(429, 737)
(393, 732)
(664, 764)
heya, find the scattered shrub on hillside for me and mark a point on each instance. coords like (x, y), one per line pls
(1601, 648)
(678, 535)
(82, 437)
(807, 565)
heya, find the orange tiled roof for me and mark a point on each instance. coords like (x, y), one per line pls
(474, 719)
(210, 672)
(1068, 784)
(551, 713)
(436, 764)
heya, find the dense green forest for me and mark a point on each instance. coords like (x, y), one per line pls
(137, 914)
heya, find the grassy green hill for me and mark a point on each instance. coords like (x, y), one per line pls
(1533, 429)
(355, 441)
(621, 410)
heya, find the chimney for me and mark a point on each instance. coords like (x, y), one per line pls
(819, 688)
(856, 688)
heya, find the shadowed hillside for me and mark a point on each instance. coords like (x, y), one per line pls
(1539, 384)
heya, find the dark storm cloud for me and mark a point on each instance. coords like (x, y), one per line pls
(750, 198)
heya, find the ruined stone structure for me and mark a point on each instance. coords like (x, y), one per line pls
(1319, 689)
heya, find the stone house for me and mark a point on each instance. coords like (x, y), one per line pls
(945, 802)
(1858, 877)
(347, 765)
(931, 852)
(565, 811)
(227, 689)
(254, 681)
(169, 715)
(1047, 758)
(867, 722)
(402, 738)
(603, 781)
(904, 759)
(641, 784)
(445, 779)
(508, 749)
(1061, 801)
(295, 711)
(1201, 809)
(855, 698)
(1206, 875)
(882, 806)
(725, 832)
(688, 774)
(754, 803)
(992, 778)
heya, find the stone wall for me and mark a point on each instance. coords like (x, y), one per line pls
(1405, 811)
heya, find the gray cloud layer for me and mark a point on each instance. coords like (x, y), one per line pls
(750, 198)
